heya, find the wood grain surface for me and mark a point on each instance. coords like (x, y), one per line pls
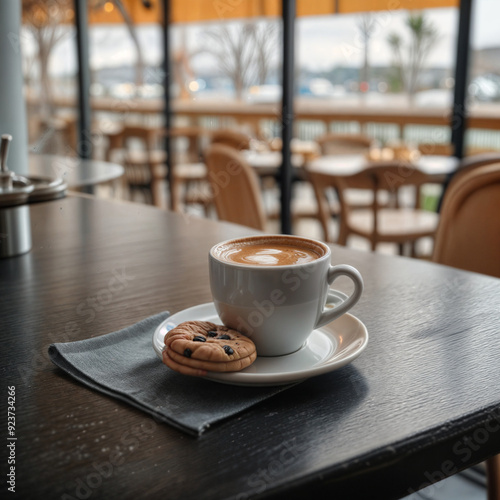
(421, 403)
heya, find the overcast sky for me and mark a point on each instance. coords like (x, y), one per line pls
(322, 42)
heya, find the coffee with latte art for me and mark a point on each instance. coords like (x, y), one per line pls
(262, 252)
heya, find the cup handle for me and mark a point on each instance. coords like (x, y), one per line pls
(328, 315)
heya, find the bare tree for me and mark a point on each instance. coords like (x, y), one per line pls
(265, 39)
(44, 20)
(243, 55)
(139, 68)
(366, 27)
(409, 59)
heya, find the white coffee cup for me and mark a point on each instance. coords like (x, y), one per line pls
(276, 305)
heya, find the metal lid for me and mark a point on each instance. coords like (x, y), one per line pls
(18, 193)
(16, 190)
(46, 188)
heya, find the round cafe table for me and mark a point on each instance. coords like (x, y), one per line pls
(78, 173)
(269, 162)
(435, 166)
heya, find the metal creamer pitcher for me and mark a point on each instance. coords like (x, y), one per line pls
(15, 229)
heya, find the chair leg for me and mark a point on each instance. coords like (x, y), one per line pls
(343, 234)
(156, 188)
(325, 228)
(493, 477)
(175, 195)
(413, 249)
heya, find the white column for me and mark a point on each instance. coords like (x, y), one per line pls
(12, 107)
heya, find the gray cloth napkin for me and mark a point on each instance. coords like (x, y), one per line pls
(124, 365)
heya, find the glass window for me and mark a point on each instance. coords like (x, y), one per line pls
(484, 78)
(49, 67)
(399, 64)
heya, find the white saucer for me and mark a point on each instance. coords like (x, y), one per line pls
(327, 348)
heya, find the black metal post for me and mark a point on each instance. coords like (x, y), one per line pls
(287, 114)
(166, 86)
(459, 112)
(459, 115)
(84, 145)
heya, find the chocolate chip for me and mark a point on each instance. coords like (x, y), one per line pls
(188, 352)
(224, 337)
(199, 338)
(212, 334)
(227, 350)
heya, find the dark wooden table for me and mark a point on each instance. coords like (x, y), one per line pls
(421, 403)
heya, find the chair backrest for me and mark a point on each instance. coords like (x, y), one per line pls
(431, 148)
(389, 176)
(235, 187)
(149, 136)
(466, 165)
(333, 143)
(233, 138)
(321, 183)
(468, 236)
(472, 162)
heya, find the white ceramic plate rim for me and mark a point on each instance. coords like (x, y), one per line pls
(333, 358)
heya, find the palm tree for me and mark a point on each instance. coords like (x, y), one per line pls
(409, 59)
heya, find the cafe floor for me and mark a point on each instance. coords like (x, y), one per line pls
(457, 487)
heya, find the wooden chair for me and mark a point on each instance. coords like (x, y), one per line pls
(234, 138)
(493, 477)
(194, 174)
(145, 167)
(333, 143)
(144, 161)
(340, 144)
(376, 223)
(231, 138)
(235, 187)
(472, 162)
(468, 237)
(430, 148)
(189, 186)
(466, 165)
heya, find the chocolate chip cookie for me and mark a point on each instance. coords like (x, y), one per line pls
(195, 347)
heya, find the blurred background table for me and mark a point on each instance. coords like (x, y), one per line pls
(78, 173)
(433, 165)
